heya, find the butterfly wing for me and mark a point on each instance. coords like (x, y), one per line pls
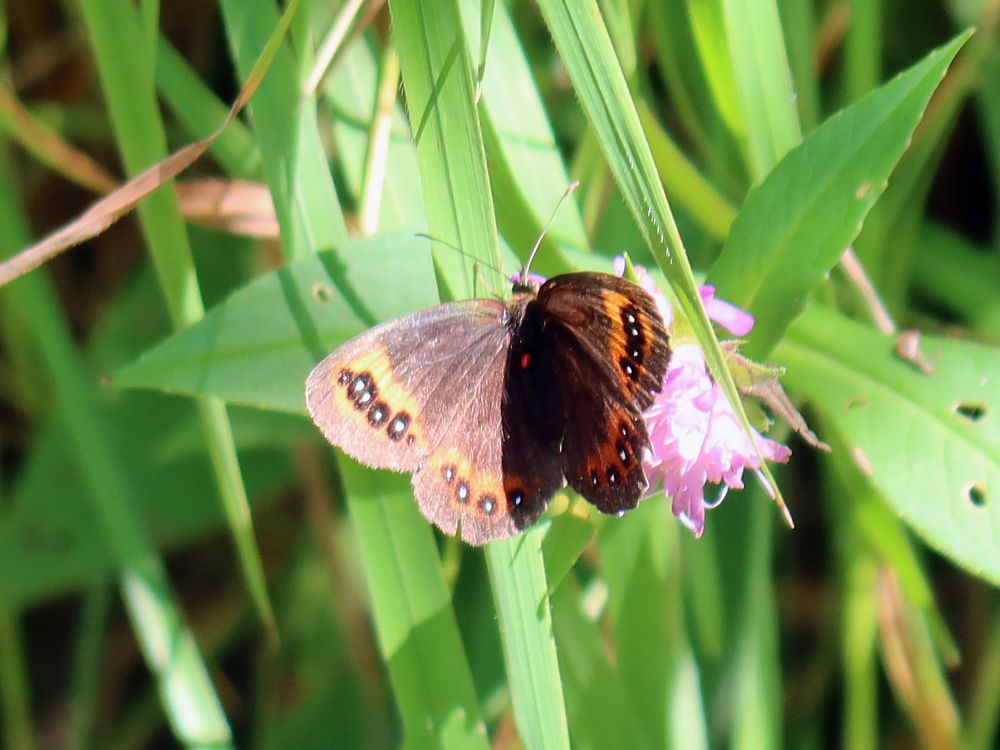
(610, 352)
(533, 418)
(423, 393)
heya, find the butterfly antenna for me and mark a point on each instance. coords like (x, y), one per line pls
(538, 243)
(461, 252)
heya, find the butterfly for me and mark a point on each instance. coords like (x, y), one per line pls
(493, 406)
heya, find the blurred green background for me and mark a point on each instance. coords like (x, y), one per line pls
(183, 560)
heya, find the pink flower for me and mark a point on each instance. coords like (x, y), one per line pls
(734, 319)
(695, 436)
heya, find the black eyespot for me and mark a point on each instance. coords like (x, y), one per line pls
(362, 382)
(462, 492)
(448, 472)
(612, 475)
(366, 398)
(345, 377)
(378, 414)
(410, 440)
(515, 498)
(622, 452)
(397, 427)
(629, 316)
(629, 368)
(624, 431)
(488, 504)
(595, 478)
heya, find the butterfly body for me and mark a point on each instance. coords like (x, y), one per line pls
(494, 406)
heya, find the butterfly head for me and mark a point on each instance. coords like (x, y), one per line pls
(524, 283)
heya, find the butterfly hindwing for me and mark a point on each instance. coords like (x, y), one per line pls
(460, 486)
(611, 352)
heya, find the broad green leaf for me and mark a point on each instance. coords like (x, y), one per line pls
(258, 346)
(797, 223)
(930, 443)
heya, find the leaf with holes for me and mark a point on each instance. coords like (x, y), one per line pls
(929, 442)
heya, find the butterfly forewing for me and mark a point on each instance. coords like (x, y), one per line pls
(422, 393)
(610, 352)
(386, 396)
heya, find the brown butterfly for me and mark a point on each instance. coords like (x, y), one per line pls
(494, 406)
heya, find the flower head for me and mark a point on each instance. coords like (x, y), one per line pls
(695, 436)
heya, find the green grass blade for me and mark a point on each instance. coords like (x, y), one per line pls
(984, 714)
(520, 591)
(703, 126)
(287, 132)
(799, 22)
(684, 182)
(757, 711)
(131, 97)
(439, 86)
(958, 274)
(763, 81)
(85, 689)
(989, 109)
(457, 195)
(527, 173)
(708, 26)
(600, 707)
(640, 564)
(200, 111)
(863, 48)
(416, 625)
(169, 647)
(351, 90)
(15, 693)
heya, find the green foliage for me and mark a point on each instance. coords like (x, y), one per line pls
(146, 430)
